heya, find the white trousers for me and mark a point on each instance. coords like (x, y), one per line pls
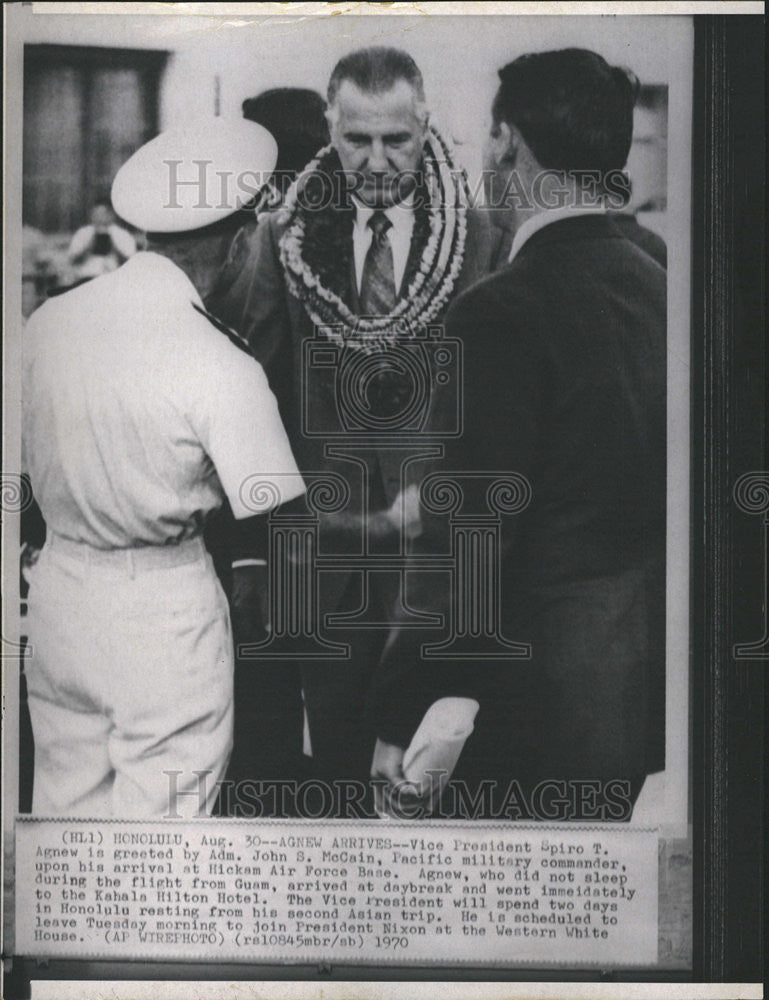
(129, 679)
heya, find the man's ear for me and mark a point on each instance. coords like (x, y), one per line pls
(423, 117)
(506, 144)
(332, 116)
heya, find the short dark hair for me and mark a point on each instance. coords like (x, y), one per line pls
(296, 117)
(574, 110)
(376, 70)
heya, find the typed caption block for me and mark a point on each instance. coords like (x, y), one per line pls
(338, 892)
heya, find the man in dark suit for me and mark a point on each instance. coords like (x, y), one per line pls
(565, 387)
(649, 241)
(376, 240)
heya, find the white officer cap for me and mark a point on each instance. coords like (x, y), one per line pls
(194, 174)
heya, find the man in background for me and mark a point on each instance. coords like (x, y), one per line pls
(296, 118)
(565, 386)
(101, 245)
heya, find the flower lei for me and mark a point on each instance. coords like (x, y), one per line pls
(316, 243)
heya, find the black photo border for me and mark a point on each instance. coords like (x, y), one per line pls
(728, 549)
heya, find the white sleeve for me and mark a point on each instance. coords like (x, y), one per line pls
(245, 438)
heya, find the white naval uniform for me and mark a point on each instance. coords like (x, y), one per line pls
(139, 416)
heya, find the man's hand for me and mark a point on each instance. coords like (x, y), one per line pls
(393, 794)
(250, 604)
(404, 512)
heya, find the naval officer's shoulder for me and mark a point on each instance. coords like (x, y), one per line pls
(215, 352)
(218, 337)
(66, 310)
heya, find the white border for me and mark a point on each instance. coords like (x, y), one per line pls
(85, 990)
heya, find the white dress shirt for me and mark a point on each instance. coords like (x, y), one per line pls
(399, 235)
(536, 222)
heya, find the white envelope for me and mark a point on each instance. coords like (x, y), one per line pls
(439, 740)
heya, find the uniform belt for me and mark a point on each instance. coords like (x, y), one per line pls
(141, 558)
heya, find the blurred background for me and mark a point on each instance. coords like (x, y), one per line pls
(96, 87)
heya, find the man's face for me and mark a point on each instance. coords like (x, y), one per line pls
(379, 139)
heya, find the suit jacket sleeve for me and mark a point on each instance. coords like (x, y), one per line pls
(502, 401)
(253, 302)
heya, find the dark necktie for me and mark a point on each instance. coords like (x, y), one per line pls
(377, 286)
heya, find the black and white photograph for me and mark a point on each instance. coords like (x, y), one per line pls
(383, 515)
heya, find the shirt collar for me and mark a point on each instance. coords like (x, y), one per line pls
(400, 215)
(536, 222)
(157, 266)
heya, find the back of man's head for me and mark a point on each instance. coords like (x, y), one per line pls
(376, 70)
(200, 253)
(296, 117)
(573, 110)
